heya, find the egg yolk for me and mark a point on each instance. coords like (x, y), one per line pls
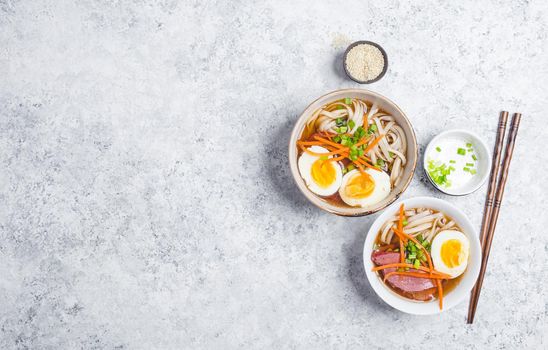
(360, 186)
(323, 173)
(451, 253)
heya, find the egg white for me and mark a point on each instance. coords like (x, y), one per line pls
(305, 168)
(435, 252)
(380, 192)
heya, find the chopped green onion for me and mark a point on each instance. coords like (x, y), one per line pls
(452, 161)
(391, 154)
(350, 167)
(353, 157)
(337, 139)
(461, 151)
(380, 162)
(412, 256)
(351, 124)
(360, 132)
(474, 157)
(438, 149)
(339, 121)
(473, 172)
(469, 145)
(469, 164)
(405, 222)
(348, 100)
(343, 129)
(466, 169)
(417, 264)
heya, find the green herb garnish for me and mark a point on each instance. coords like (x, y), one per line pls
(438, 149)
(348, 100)
(351, 124)
(474, 157)
(461, 151)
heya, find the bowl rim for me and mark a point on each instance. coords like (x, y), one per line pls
(385, 57)
(461, 291)
(313, 198)
(482, 144)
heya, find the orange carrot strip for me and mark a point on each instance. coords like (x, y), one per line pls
(336, 159)
(319, 154)
(440, 293)
(400, 236)
(309, 143)
(373, 144)
(400, 227)
(362, 162)
(363, 141)
(329, 142)
(402, 252)
(360, 167)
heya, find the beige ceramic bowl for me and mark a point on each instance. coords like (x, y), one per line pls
(383, 103)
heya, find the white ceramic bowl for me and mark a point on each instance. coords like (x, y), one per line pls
(484, 161)
(461, 291)
(385, 104)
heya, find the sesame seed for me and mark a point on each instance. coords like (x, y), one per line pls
(365, 62)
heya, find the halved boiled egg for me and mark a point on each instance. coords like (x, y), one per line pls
(363, 189)
(449, 251)
(322, 176)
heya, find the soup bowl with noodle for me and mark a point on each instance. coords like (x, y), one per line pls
(436, 263)
(352, 152)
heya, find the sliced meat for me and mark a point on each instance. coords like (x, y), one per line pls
(383, 258)
(408, 284)
(413, 287)
(423, 295)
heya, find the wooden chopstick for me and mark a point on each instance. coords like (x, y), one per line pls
(514, 126)
(495, 168)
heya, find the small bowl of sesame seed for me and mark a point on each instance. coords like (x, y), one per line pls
(365, 62)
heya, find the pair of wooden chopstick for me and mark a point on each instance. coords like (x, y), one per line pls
(497, 182)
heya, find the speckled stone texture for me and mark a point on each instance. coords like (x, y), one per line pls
(145, 196)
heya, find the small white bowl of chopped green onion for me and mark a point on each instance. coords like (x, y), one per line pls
(457, 162)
